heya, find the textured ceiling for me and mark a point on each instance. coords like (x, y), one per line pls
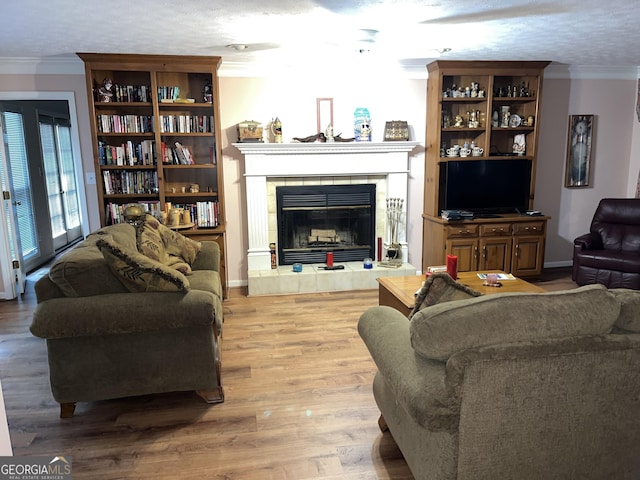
(307, 32)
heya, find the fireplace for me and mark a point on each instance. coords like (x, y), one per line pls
(268, 166)
(316, 219)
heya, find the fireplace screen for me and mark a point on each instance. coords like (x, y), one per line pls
(316, 219)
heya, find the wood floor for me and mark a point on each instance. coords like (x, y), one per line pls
(298, 401)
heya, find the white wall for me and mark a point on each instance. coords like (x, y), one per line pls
(293, 100)
(612, 101)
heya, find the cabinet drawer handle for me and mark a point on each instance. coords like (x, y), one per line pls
(531, 228)
(494, 230)
(464, 232)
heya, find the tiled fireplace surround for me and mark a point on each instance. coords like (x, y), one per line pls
(268, 165)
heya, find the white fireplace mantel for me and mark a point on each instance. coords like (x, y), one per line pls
(303, 160)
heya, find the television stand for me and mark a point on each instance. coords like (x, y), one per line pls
(511, 243)
(486, 215)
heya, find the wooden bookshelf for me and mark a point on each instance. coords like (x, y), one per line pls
(156, 138)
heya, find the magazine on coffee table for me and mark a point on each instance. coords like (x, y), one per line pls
(501, 276)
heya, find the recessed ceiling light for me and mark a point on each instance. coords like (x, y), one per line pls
(238, 46)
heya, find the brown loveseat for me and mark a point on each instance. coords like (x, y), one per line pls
(610, 253)
(132, 311)
(524, 386)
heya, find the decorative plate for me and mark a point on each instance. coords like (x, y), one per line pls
(515, 121)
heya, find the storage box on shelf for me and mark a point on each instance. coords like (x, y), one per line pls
(494, 107)
(155, 130)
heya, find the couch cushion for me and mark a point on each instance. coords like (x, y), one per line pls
(444, 329)
(139, 273)
(439, 288)
(629, 319)
(206, 280)
(82, 271)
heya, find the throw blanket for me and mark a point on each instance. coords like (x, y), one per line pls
(166, 246)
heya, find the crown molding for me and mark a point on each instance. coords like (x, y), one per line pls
(72, 65)
(590, 72)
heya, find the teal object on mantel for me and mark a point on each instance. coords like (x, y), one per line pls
(362, 125)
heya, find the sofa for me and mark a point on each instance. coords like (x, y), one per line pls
(610, 252)
(132, 310)
(512, 386)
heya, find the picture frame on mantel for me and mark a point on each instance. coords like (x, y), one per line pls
(580, 137)
(325, 113)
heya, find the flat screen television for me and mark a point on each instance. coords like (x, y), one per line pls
(485, 186)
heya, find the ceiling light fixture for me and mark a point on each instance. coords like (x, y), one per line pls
(238, 46)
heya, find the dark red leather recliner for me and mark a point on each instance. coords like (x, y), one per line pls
(610, 253)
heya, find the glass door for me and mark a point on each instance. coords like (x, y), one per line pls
(62, 194)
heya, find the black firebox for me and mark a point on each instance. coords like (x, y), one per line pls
(316, 219)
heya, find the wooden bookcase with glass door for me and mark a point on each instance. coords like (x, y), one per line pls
(462, 97)
(156, 140)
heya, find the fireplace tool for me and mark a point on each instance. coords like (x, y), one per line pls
(394, 218)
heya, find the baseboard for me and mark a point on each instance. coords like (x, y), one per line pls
(563, 263)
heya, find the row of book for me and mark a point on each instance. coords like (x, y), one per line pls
(186, 123)
(204, 214)
(176, 154)
(125, 123)
(115, 211)
(130, 93)
(168, 92)
(130, 153)
(130, 182)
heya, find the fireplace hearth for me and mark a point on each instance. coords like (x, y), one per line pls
(316, 219)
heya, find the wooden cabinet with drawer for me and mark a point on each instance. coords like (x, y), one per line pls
(510, 243)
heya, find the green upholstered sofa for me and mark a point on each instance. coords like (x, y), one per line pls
(512, 386)
(124, 316)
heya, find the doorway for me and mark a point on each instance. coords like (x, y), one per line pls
(42, 179)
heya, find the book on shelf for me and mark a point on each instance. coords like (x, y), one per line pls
(130, 153)
(179, 151)
(183, 154)
(130, 182)
(212, 155)
(207, 214)
(166, 92)
(115, 211)
(186, 124)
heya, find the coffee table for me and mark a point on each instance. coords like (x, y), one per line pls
(399, 292)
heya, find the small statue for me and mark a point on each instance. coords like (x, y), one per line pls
(207, 93)
(104, 92)
(328, 133)
(276, 130)
(318, 137)
(458, 121)
(338, 138)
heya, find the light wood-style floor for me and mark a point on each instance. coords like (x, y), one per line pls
(298, 400)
